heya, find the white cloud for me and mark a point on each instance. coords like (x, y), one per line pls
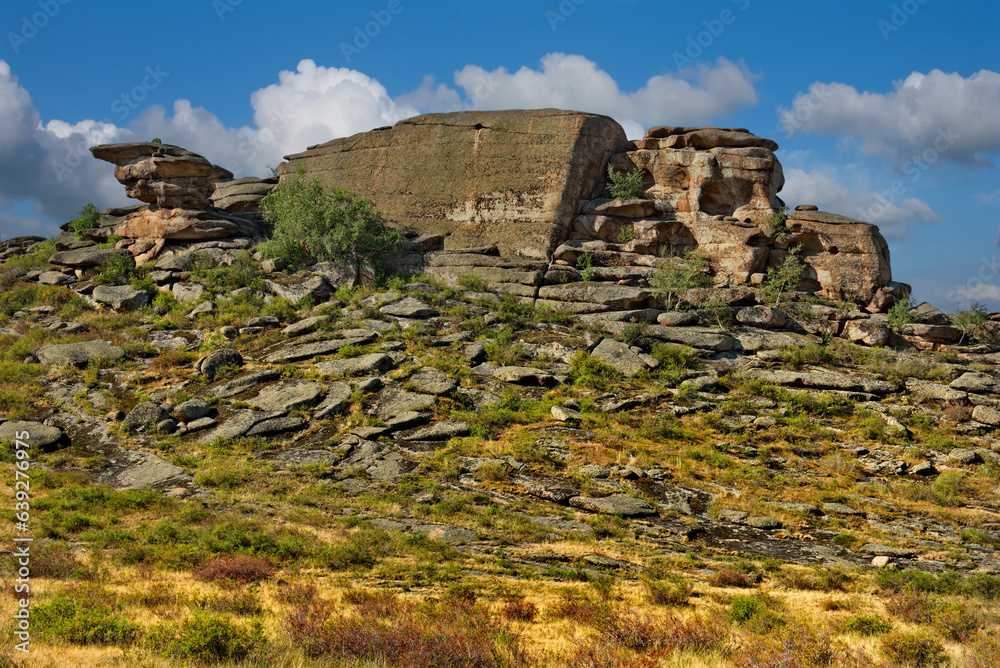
(47, 164)
(926, 117)
(893, 216)
(574, 82)
(988, 198)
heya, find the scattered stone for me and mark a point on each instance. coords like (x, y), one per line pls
(276, 426)
(615, 504)
(377, 363)
(215, 363)
(145, 414)
(305, 326)
(55, 278)
(524, 375)
(167, 426)
(924, 469)
(201, 309)
(622, 358)
(565, 414)
(284, 397)
(337, 396)
(80, 353)
(244, 383)
(439, 431)
(595, 471)
(986, 415)
(964, 456)
(431, 381)
(411, 308)
(475, 352)
(881, 562)
(764, 523)
(175, 263)
(677, 319)
(977, 382)
(201, 423)
(761, 316)
(296, 288)
(45, 437)
(396, 401)
(192, 410)
(184, 292)
(887, 551)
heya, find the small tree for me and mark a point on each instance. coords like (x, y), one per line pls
(624, 185)
(899, 313)
(782, 279)
(314, 223)
(678, 274)
(776, 224)
(970, 320)
(89, 217)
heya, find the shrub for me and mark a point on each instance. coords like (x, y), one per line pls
(971, 320)
(313, 223)
(585, 263)
(782, 279)
(728, 577)
(89, 217)
(117, 269)
(296, 594)
(899, 313)
(519, 609)
(760, 610)
(675, 275)
(797, 645)
(624, 185)
(982, 652)
(235, 568)
(776, 223)
(209, 638)
(675, 590)
(85, 615)
(242, 272)
(868, 625)
(913, 649)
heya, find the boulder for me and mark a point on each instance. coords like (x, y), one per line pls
(977, 382)
(296, 288)
(364, 365)
(242, 195)
(410, 308)
(845, 259)
(89, 257)
(79, 353)
(615, 504)
(55, 278)
(427, 173)
(188, 292)
(214, 363)
(623, 358)
(284, 397)
(120, 297)
(35, 434)
(146, 414)
(762, 316)
(870, 332)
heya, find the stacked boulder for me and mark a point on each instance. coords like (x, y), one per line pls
(177, 187)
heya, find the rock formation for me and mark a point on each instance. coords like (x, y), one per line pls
(178, 186)
(514, 179)
(509, 197)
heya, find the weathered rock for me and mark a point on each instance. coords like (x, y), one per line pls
(823, 380)
(871, 332)
(145, 414)
(337, 396)
(986, 415)
(622, 358)
(245, 383)
(846, 259)
(394, 401)
(89, 257)
(703, 338)
(214, 363)
(175, 263)
(523, 375)
(977, 382)
(887, 551)
(429, 380)
(566, 414)
(185, 292)
(296, 288)
(242, 195)
(192, 409)
(615, 504)
(120, 297)
(306, 351)
(201, 309)
(305, 326)
(34, 434)
(677, 319)
(543, 165)
(931, 337)
(284, 397)
(411, 308)
(762, 316)
(764, 523)
(439, 431)
(276, 426)
(964, 456)
(55, 278)
(612, 297)
(374, 363)
(80, 353)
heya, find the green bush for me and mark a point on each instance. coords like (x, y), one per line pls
(674, 590)
(868, 625)
(624, 185)
(117, 269)
(899, 313)
(971, 320)
(585, 263)
(678, 274)
(913, 649)
(85, 615)
(208, 638)
(243, 272)
(775, 224)
(89, 217)
(782, 279)
(314, 223)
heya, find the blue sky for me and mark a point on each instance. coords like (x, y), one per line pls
(885, 111)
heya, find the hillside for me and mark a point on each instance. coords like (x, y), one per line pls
(485, 459)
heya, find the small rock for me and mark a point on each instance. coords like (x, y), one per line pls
(622, 358)
(887, 551)
(564, 414)
(215, 363)
(762, 316)
(306, 326)
(45, 437)
(167, 426)
(523, 375)
(201, 423)
(146, 413)
(285, 397)
(200, 309)
(964, 456)
(677, 319)
(411, 308)
(595, 471)
(276, 426)
(188, 293)
(881, 562)
(765, 523)
(55, 278)
(924, 468)
(616, 504)
(192, 410)
(229, 332)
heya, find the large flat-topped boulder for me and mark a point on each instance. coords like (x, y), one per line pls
(846, 259)
(668, 136)
(515, 179)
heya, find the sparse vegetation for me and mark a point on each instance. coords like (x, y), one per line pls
(624, 185)
(679, 274)
(782, 279)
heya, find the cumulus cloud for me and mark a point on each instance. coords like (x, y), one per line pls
(988, 198)
(926, 117)
(46, 163)
(574, 82)
(892, 215)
